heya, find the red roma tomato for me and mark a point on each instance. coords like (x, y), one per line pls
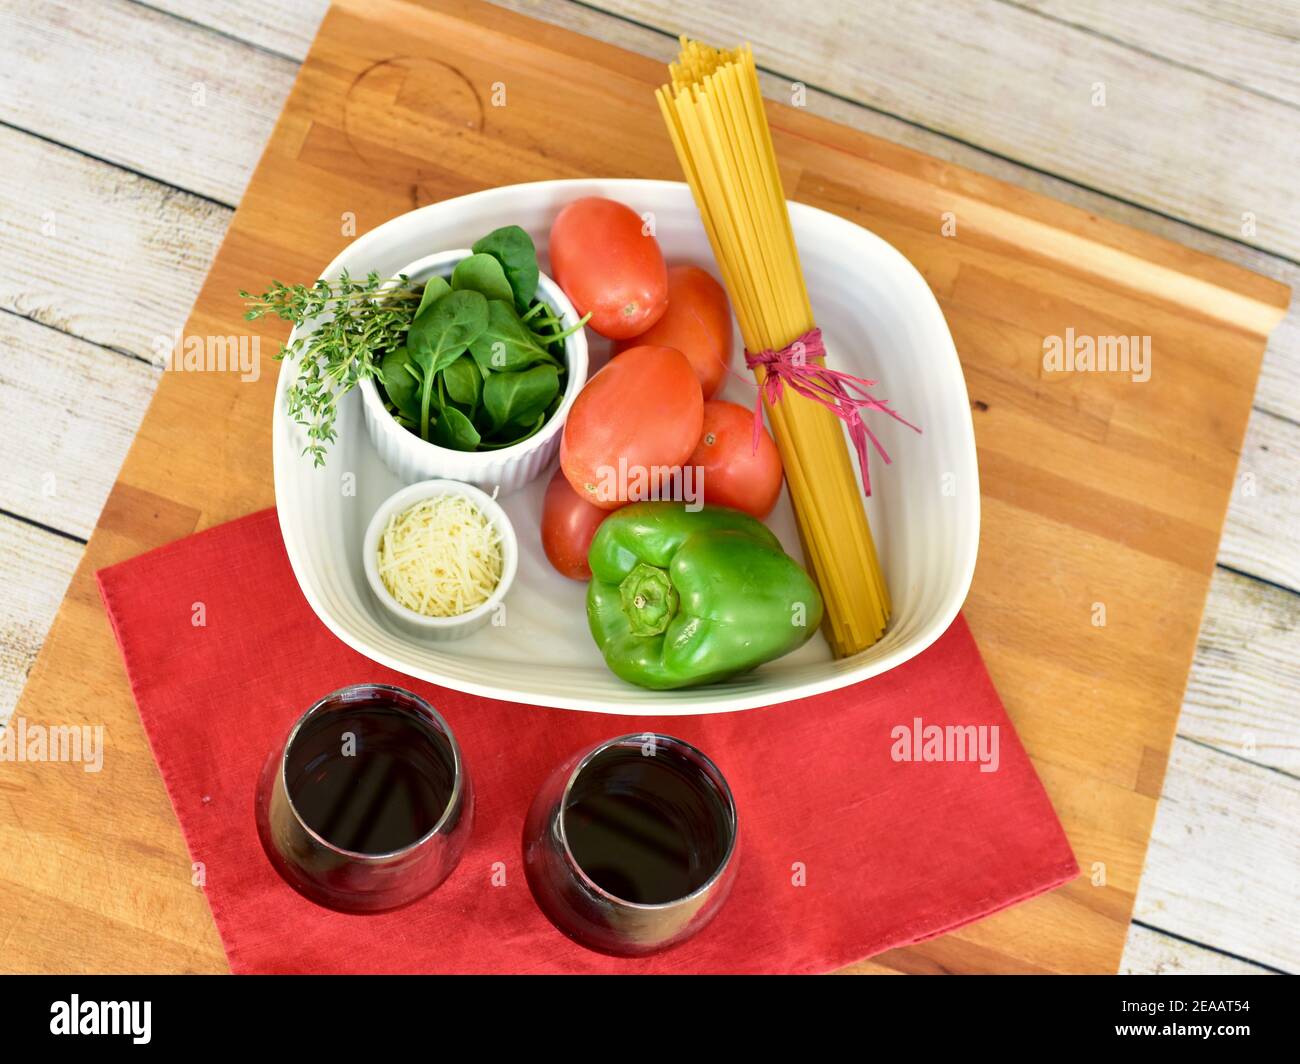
(568, 524)
(733, 473)
(638, 417)
(608, 266)
(697, 323)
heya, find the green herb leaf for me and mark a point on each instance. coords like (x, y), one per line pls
(463, 381)
(434, 289)
(519, 397)
(455, 431)
(440, 335)
(554, 404)
(512, 434)
(514, 249)
(483, 274)
(360, 322)
(507, 343)
(401, 381)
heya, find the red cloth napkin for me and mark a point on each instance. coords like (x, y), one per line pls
(844, 851)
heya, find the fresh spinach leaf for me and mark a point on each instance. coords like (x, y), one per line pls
(464, 382)
(440, 335)
(514, 249)
(434, 289)
(554, 404)
(455, 431)
(401, 381)
(506, 344)
(512, 434)
(521, 396)
(483, 274)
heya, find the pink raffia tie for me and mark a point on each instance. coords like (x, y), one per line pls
(843, 394)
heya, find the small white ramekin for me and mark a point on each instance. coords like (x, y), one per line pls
(412, 458)
(439, 629)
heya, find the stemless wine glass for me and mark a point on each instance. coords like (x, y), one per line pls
(630, 845)
(367, 805)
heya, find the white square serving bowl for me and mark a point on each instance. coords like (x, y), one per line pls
(879, 319)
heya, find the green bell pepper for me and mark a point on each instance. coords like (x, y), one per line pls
(679, 598)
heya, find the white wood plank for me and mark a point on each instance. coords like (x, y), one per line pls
(1023, 86)
(34, 585)
(69, 411)
(286, 27)
(1241, 693)
(143, 89)
(1278, 391)
(1251, 43)
(1262, 533)
(1149, 952)
(97, 252)
(1224, 863)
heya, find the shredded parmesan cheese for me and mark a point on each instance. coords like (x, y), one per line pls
(440, 557)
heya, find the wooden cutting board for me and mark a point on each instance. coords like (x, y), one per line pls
(1102, 498)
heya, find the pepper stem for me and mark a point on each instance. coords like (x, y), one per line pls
(649, 599)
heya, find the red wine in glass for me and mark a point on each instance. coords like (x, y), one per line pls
(367, 806)
(630, 846)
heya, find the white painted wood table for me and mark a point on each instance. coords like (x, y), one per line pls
(128, 131)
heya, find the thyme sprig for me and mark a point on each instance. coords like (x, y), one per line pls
(355, 323)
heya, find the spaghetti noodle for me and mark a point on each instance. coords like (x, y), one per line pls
(714, 112)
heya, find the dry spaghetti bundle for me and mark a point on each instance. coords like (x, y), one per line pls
(714, 112)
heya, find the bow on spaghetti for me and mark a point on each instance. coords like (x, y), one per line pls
(843, 394)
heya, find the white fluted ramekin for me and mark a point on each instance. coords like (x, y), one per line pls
(439, 629)
(508, 469)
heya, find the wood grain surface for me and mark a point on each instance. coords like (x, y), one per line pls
(1094, 489)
